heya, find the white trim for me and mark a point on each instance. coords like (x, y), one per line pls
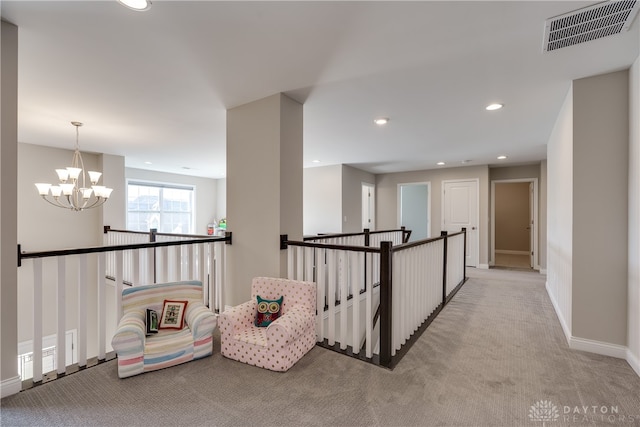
(563, 323)
(633, 361)
(536, 237)
(477, 218)
(598, 347)
(543, 271)
(10, 386)
(509, 252)
(592, 346)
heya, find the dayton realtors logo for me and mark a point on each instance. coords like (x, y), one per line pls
(545, 411)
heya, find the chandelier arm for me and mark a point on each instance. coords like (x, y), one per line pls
(97, 202)
(55, 202)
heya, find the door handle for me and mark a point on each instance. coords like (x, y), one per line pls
(473, 228)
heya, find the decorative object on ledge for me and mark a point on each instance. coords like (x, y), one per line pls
(72, 191)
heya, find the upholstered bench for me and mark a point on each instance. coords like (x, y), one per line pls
(138, 353)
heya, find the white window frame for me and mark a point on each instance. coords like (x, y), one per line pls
(163, 185)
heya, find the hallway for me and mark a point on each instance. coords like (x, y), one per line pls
(494, 352)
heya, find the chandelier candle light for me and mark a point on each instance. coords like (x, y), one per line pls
(72, 192)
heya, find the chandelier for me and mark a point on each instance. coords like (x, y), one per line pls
(72, 191)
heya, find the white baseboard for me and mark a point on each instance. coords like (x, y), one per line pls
(598, 347)
(10, 386)
(563, 323)
(634, 361)
(483, 266)
(510, 252)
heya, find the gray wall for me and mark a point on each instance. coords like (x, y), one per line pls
(264, 189)
(352, 179)
(322, 200)
(600, 203)
(633, 322)
(387, 199)
(8, 215)
(560, 214)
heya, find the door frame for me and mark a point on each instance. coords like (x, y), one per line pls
(399, 203)
(536, 237)
(477, 219)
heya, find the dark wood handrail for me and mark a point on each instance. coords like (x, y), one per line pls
(108, 229)
(335, 247)
(359, 233)
(97, 249)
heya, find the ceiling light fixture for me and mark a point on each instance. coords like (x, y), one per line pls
(138, 5)
(503, 157)
(72, 192)
(315, 161)
(381, 121)
(440, 163)
(493, 107)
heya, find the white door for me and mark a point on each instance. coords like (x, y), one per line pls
(460, 209)
(368, 206)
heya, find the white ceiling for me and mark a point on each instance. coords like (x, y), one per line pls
(154, 86)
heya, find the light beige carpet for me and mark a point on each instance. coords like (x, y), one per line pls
(494, 352)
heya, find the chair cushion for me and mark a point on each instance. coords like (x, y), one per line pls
(268, 310)
(167, 346)
(255, 336)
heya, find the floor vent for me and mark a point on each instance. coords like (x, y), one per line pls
(590, 23)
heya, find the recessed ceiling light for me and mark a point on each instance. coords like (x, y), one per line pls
(139, 5)
(381, 121)
(465, 161)
(493, 107)
(148, 163)
(440, 163)
(315, 161)
(502, 157)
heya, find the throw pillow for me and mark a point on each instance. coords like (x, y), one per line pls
(268, 311)
(173, 314)
(151, 321)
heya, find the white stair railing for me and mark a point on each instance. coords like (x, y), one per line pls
(82, 283)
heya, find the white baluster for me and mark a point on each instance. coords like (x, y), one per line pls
(61, 347)
(331, 297)
(299, 263)
(290, 255)
(320, 287)
(82, 310)
(343, 277)
(102, 307)
(37, 320)
(369, 307)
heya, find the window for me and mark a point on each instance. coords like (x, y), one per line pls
(165, 207)
(49, 359)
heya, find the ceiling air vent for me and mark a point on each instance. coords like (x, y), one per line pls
(590, 23)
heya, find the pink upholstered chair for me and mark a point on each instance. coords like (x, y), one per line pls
(280, 345)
